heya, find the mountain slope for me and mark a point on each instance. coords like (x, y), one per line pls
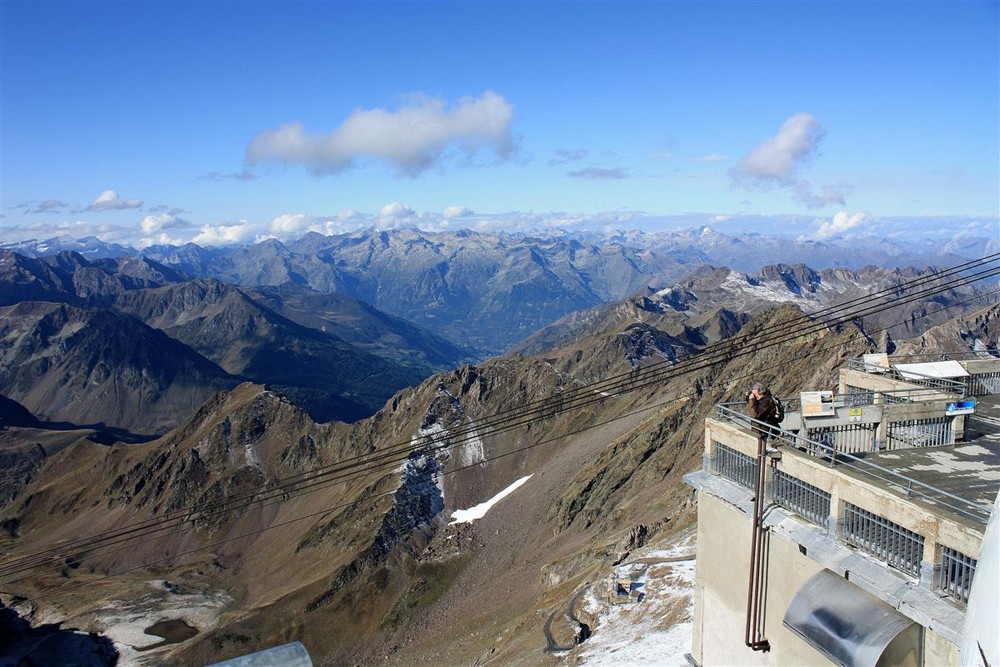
(976, 332)
(361, 562)
(326, 375)
(68, 364)
(715, 301)
(479, 291)
(364, 327)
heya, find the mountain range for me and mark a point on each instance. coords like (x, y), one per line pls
(258, 525)
(243, 520)
(485, 292)
(120, 330)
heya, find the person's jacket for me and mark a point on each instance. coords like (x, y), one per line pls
(763, 409)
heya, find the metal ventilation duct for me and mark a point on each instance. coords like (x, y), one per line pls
(850, 626)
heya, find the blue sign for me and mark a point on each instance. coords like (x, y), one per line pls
(960, 408)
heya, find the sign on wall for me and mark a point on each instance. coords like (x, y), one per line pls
(966, 407)
(817, 404)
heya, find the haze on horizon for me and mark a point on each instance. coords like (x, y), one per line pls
(161, 122)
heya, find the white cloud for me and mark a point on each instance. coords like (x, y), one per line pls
(158, 239)
(453, 212)
(77, 229)
(152, 224)
(110, 201)
(411, 138)
(829, 196)
(225, 233)
(287, 224)
(397, 215)
(778, 158)
(841, 223)
(775, 164)
(291, 226)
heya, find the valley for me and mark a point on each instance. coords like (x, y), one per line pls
(247, 522)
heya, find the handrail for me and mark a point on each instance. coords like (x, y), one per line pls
(957, 504)
(945, 384)
(963, 355)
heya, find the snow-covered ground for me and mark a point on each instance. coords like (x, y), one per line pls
(653, 631)
(125, 622)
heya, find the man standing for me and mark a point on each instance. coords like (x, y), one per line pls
(763, 408)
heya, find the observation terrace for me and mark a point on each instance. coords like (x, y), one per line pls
(884, 486)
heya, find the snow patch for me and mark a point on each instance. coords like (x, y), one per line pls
(480, 510)
(472, 452)
(125, 622)
(655, 631)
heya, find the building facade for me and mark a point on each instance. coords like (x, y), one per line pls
(852, 537)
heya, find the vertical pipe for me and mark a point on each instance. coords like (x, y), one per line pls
(753, 637)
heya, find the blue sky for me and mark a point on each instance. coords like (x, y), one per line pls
(147, 122)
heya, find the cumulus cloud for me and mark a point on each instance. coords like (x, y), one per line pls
(396, 215)
(293, 225)
(154, 224)
(410, 139)
(453, 212)
(110, 201)
(778, 158)
(597, 173)
(226, 233)
(776, 162)
(841, 223)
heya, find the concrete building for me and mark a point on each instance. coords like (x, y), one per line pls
(852, 537)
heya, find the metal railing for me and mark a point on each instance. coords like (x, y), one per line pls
(944, 384)
(735, 466)
(913, 433)
(983, 384)
(976, 384)
(888, 541)
(910, 487)
(810, 502)
(957, 571)
(847, 438)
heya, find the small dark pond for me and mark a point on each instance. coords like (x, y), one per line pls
(173, 631)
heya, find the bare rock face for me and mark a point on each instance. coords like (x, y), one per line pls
(84, 366)
(129, 328)
(635, 539)
(715, 303)
(977, 332)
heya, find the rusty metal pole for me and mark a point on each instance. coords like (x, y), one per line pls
(753, 637)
